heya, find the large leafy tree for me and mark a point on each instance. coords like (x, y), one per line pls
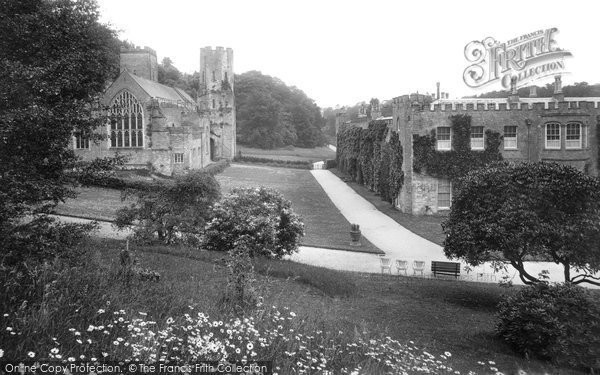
(271, 114)
(517, 211)
(55, 60)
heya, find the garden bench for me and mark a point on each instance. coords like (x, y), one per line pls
(445, 268)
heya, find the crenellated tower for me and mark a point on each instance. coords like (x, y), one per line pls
(216, 99)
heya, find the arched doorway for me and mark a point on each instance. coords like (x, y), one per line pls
(213, 149)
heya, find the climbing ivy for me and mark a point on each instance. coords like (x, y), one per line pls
(461, 159)
(365, 155)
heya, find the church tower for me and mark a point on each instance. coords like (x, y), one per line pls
(140, 62)
(216, 99)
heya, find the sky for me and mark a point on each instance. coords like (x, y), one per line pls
(345, 52)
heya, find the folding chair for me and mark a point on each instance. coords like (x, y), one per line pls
(418, 266)
(386, 264)
(401, 265)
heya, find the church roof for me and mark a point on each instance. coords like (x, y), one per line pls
(160, 91)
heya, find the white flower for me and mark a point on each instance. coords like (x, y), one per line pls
(1, 353)
(170, 320)
(250, 346)
(448, 354)
(101, 311)
(31, 354)
(54, 351)
(71, 359)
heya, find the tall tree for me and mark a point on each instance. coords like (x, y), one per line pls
(56, 59)
(271, 114)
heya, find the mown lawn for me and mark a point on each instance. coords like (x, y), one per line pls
(289, 153)
(438, 315)
(93, 203)
(325, 226)
(426, 226)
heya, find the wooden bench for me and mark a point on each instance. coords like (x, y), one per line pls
(445, 268)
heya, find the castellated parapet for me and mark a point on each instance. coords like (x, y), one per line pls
(216, 99)
(557, 129)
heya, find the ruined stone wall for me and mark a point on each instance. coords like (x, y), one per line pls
(216, 98)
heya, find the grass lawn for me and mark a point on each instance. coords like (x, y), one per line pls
(289, 153)
(93, 203)
(438, 315)
(426, 226)
(325, 226)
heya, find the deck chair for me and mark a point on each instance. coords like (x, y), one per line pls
(418, 266)
(401, 265)
(386, 264)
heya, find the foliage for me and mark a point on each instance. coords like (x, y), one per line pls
(56, 59)
(553, 322)
(369, 159)
(169, 75)
(459, 161)
(100, 171)
(528, 210)
(261, 217)
(578, 89)
(216, 167)
(301, 164)
(170, 211)
(240, 295)
(271, 114)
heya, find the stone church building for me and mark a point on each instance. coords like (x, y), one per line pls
(554, 129)
(162, 128)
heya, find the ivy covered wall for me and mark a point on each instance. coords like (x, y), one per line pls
(372, 157)
(457, 162)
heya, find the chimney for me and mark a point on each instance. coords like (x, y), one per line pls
(558, 93)
(513, 97)
(438, 90)
(533, 91)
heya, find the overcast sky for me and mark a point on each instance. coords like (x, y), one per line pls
(344, 52)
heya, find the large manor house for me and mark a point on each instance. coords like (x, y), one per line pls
(162, 128)
(553, 129)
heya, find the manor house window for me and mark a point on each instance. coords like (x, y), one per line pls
(126, 121)
(477, 138)
(510, 137)
(178, 158)
(553, 136)
(443, 138)
(81, 141)
(574, 136)
(444, 195)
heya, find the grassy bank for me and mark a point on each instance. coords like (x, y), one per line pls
(325, 226)
(420, 315)
(289, 153)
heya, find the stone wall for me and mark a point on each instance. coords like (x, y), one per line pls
(414, 115)
(141, 62)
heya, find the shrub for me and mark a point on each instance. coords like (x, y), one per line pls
(171, 211)
(330, 163)
(555, 322)
(261, 216)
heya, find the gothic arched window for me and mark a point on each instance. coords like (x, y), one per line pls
(126, 121)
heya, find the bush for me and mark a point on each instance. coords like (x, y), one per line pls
(216, 168)
(554, 322)
(171, 211)
(330, 163)
(259, 216)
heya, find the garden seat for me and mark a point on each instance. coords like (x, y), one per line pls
(386, 264)
(401, 265)
(418, 266)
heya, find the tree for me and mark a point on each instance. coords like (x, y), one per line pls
(259, 219)
(169, 211)
(271, 114)
(514, 212)
(56, 59)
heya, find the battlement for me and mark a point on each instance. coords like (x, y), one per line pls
(138, 49)
(216, 50)
(499, 104)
